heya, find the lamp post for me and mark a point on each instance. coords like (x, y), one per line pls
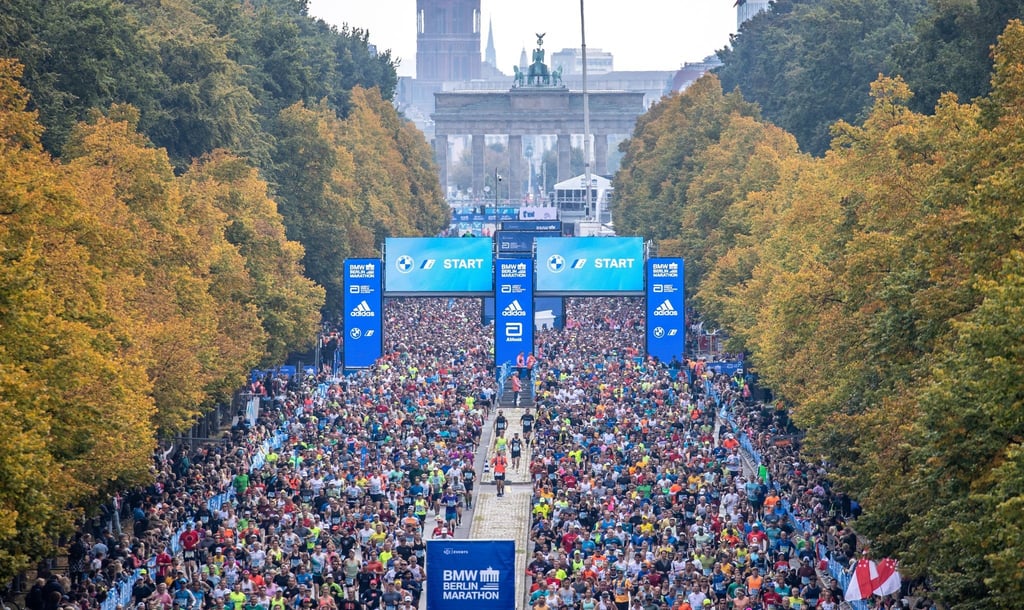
(529, 155)
(497, 181)
(586, 112)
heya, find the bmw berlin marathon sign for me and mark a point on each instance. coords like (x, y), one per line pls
(425, 266)
(463, 573)
(513, 308)
(363, 312)
(666, 313)
(590, 265)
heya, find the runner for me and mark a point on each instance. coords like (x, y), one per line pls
(500, 424)
(450, 501)
(468, 478)
(499, 463)
(527, 422)
(515, 446)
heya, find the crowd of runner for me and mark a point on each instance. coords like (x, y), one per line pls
(337, 516)
(640, 498)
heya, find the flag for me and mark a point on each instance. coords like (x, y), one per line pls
(862, 584)
(888, 580)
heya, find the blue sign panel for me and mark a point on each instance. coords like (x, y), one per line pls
(438, 266)
(590, 265)
(550, 226)
(547, 312)
(513, 310)
(666, 313)
(463, 573)
(517, 241)
(364, 312)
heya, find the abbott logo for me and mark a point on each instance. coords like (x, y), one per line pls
(665, 309)
(405, 263)
(513, 330)
(362, 310)
(514, 310)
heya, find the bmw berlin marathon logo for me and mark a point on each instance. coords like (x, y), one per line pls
(471, 584)
(514, 310)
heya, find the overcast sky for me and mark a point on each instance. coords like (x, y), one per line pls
(641, 34)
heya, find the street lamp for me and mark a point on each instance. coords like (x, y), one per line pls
(497, 182)
(529, 155)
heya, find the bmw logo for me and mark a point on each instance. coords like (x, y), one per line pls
(405, 263)
(355, 333)
(659, 332)
(556, 263)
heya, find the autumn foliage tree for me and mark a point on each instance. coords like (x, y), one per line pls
(71, 397)
(346, 184)
(878, 291)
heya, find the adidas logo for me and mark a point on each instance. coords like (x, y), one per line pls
(514, 310)
(665, 309)
(362, 310)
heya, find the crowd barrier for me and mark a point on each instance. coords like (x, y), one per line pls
(121, 594)
(503, 372)
(836, 569)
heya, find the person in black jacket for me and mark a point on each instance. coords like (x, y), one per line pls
(34, 598)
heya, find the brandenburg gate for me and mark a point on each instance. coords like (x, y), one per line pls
(537, 104)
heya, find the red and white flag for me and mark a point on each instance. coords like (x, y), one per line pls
(862, 584)
(888, 580)
(871, 578)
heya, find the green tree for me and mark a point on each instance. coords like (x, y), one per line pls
(809, 64)
(317, 195)
(951, 49)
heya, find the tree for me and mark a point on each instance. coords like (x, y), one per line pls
(287, 303)
(951, 49)
(74, 411)
(661, 157)
(809, 64)
(317, 194)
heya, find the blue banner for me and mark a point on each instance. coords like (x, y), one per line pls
(590, 265)
(725, 368)
(513, 310)
(549, 226)
(666, 312)
(364, 312)
(463, 573)
(518, 241)
(438, 266)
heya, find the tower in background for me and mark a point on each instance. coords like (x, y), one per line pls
(490, 55)
(447, 40)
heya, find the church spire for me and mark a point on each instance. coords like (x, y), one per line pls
(490, 56)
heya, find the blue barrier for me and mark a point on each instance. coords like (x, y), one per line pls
(503, 372)
(121, 593)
